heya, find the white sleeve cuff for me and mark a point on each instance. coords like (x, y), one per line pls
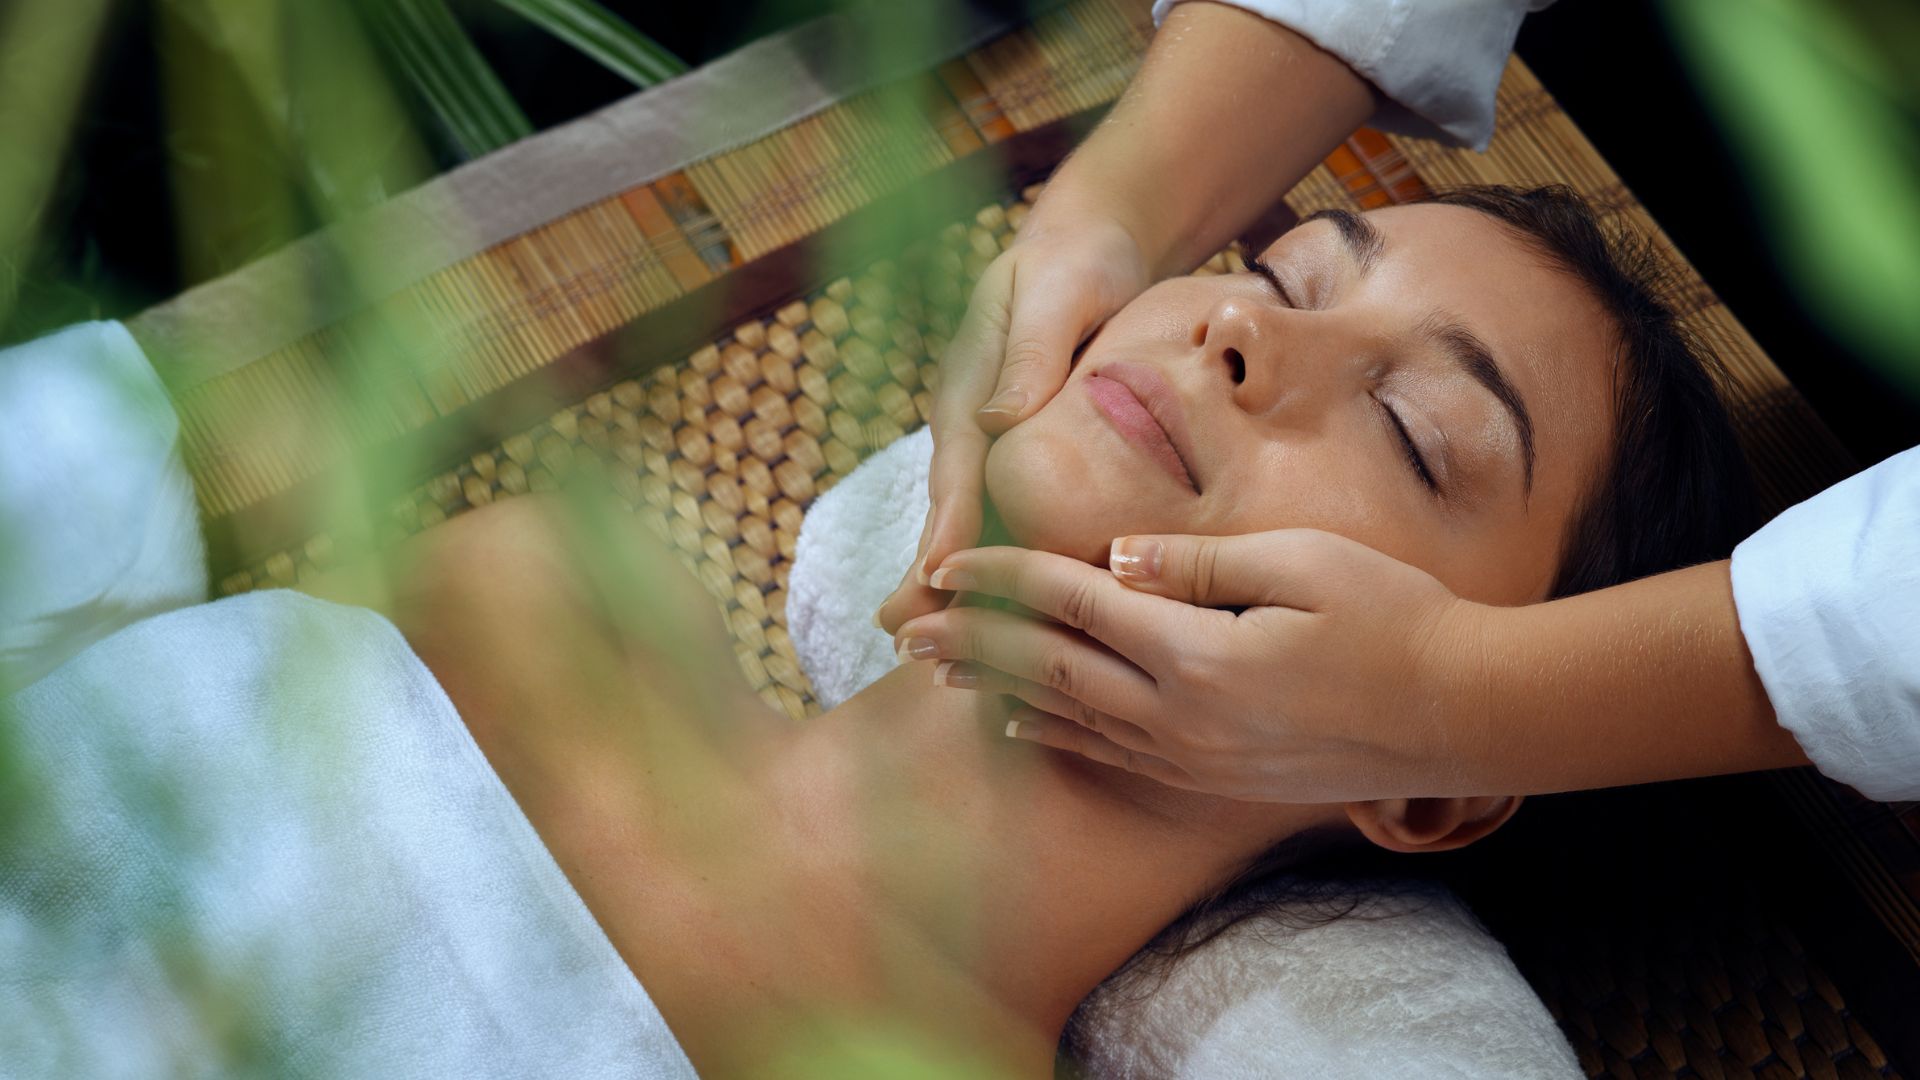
(1828, 595)
(1437, 61)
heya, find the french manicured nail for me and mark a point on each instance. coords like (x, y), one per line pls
(1007, 402)
(949, 674)
(918, 648)
(923, 570)
(1013, 730)
(1135, 558)
(876, 620)
(952, 580)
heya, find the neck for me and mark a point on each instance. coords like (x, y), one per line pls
(1036, 873)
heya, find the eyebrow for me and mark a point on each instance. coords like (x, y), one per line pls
(1363, 241)
(1472, 355)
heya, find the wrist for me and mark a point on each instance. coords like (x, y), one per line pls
(1177, 165)
(1469, 646)
(1081, 210)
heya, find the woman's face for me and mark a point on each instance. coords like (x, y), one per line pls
(1420, 380)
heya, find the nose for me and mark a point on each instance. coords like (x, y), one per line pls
(1274, 358)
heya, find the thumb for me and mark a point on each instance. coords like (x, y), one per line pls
(1047, 324)
(956, 484)
(1295, 568)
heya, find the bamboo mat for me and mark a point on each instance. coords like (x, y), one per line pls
(794, 373)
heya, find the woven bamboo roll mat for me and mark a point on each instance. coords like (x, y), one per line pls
(1673, 931)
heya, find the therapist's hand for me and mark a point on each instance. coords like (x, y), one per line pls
(1031, 309)
(1347, 675)
(1173, 173)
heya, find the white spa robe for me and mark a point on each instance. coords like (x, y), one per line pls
(1437, 62)
(1829, 602)
(1829, 592)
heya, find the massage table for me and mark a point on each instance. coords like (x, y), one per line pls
(727, 291)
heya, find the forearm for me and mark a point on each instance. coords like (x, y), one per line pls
(1641, 682)
(1227, 113)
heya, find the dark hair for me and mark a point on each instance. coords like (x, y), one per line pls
(1676, 492)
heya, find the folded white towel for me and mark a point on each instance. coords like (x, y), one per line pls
(1426, 992)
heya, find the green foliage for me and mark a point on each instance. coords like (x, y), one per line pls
(1821, 98)
(601, 34)
(454, 84)
(447, 74)
(46, 51)
(278, 118)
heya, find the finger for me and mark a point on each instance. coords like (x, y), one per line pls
(1049, 318)
(968, 368)
(910, 601)
(967, 675)
(970, 365)
(1042, 652)
(911, 598)
(926, 532)
(956, 482)
(1145, 629)
(1032, 725)
(1296, 568)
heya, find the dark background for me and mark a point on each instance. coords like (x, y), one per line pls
(1611, 67)
(109, 248)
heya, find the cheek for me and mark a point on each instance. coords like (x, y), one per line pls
(1056, 490)
(1042, 486)
(1322, 483)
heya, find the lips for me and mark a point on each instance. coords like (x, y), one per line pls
(1145, 410)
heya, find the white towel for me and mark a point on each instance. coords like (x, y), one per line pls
(261, 840)
(250, 837)
(1424, 993)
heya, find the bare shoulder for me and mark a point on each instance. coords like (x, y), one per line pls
(541, 598)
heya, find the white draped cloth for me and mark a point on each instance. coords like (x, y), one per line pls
(251, 836)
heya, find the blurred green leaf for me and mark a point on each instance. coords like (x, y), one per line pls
(1818, 97)
(448, 73)
(601, 34)
(46, 51)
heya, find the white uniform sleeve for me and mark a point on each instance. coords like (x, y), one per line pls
(1437, 61)
(1829, 601)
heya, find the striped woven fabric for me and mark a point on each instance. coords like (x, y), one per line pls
(717, 338)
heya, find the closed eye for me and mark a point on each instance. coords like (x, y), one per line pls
(1260, 267)
(1409, 448)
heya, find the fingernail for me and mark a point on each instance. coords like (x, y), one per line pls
(918, 648)
(1007, 402)
(876, 620)
(949, 675)
(923, 571)
(952, 580)
(1013, 730)
(1135, 558)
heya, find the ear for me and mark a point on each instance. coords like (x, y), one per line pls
(1415, 825)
